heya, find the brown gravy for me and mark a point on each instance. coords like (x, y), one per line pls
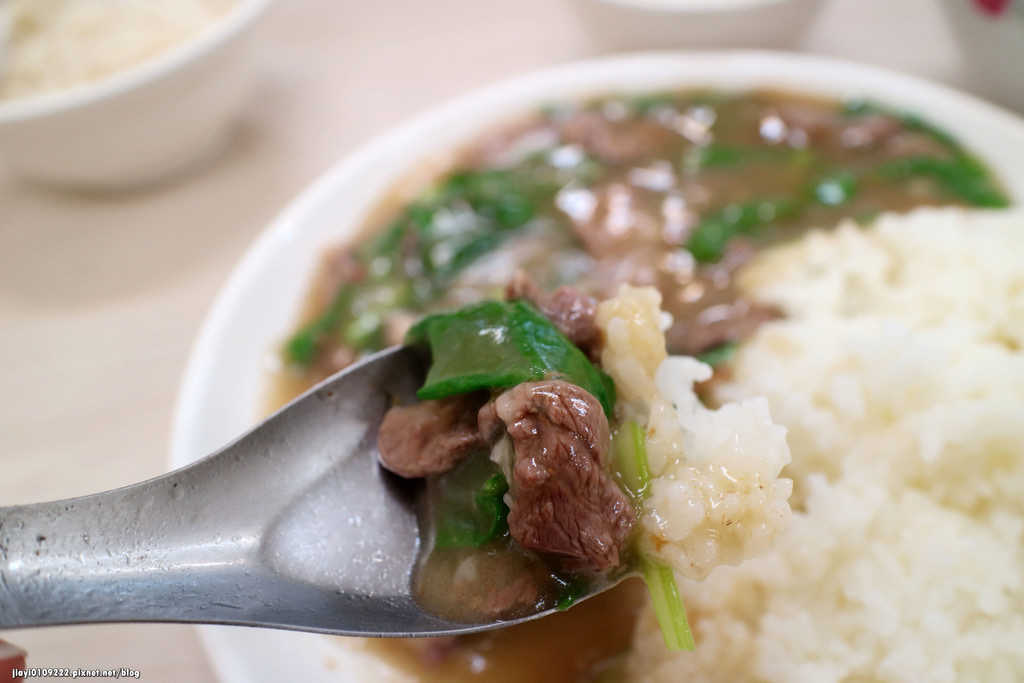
(585, 643)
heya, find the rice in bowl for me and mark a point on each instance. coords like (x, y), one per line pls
(898, 371)
(59, 44)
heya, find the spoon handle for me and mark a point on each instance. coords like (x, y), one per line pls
(154, 551)
(291, 526)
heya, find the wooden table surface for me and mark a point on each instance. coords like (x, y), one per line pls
(101, 295)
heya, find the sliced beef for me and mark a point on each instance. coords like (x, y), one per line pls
(339, 267)
(871, 131)
(868, 131)
(430, 437)
(562, 500)
(489, 425)
(616, 142)
(572, 312)
(813, 123)
(717, 325)
(621, 218)
(720, 314)
(505, 599)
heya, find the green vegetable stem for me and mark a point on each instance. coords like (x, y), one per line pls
(630, 448)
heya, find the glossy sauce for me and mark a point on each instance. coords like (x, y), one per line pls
(585, 643)
(675, 191)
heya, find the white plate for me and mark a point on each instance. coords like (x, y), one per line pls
(224, 383)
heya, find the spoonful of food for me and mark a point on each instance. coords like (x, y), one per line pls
(292, 526)
(481, 476)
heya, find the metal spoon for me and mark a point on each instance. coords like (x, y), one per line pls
(292, 526)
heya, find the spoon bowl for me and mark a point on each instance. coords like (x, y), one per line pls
(293, 526)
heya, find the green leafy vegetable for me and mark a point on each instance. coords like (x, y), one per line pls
(860, 107)
(709, 239)
(445, 226)
(570, 590)
(469, 504)
(717, 156)
(836, 187)
(719, 355)
(866, 218)
(630, 448)
(302, 347)
(962, 176)
(494, 344)
(416, 258)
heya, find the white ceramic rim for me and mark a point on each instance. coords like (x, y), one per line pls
(50, 103)
(700, 7)
(226, 336)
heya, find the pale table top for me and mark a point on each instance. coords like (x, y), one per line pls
(101, 296)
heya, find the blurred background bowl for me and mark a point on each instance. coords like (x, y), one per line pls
(141, 124)
(642, 24)
(990, 34)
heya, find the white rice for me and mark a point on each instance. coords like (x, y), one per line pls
(899, 373)
(715, 496)
(56, 44)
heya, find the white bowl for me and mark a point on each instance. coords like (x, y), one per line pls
(141, 124)
(648, 24)
(992, 46)
(225, 382)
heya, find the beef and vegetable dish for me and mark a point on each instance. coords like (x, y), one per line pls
(501, 370)
(671, 191)
(531, 438)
